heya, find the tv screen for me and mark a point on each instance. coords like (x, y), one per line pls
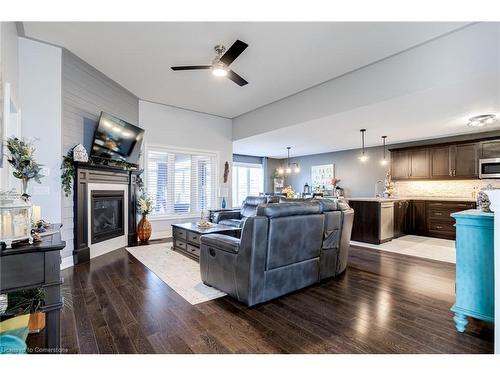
(116, 139)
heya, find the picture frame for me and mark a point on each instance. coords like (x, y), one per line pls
(321, 176)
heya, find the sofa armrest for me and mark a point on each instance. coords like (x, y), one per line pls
(221, 242)
(226, 215)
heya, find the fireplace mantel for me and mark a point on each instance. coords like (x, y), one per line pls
(86, 174)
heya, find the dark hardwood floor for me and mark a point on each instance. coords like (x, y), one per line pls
(384, 303)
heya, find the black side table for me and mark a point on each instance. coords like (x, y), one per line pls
(37, 266)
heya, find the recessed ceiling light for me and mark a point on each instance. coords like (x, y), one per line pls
(481, 120)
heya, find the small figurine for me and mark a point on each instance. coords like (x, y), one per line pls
(388, 185)
(80, 154)
(483, 202)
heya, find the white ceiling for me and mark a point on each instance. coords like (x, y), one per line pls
(282, 58)
(437, 112)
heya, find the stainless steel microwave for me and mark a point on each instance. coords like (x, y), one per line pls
(489, 168)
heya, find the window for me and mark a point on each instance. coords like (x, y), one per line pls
(248, 179)
(180, 182)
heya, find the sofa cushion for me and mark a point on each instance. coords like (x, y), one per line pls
(249, 206)
(222, 242)
(238, 223)
(327, 204)
(273, 210)
(293, 239)
(294, 200)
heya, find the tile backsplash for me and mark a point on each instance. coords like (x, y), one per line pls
(452, 188)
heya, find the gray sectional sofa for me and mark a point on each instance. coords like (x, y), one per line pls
(283, 248)
(236, 218)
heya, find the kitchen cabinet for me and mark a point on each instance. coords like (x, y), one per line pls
(379, 220)
(399, 165)
(418, 218)
(465, 160)
(419, 163)
(439, 222)
(401, 218)
(373, 221)
(440, 162)
(490, 149)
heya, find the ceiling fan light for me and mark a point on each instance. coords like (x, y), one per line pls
(219, 70)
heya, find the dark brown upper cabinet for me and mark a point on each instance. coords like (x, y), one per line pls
(490, 149)
(419, 163)
(465, 160)
(441, 162)
(400, 165)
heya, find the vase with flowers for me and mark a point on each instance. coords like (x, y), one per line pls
(289, 192)
(144, 227)
(23, 163)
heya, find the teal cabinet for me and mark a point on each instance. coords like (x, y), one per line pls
(475, 268)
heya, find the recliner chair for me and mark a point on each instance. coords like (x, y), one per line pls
(285, 247)
(236, 218)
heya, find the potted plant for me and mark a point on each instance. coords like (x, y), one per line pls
(30, 302)
(22, 161)
(144, 227)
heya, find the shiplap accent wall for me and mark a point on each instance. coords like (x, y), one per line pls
(85, 93)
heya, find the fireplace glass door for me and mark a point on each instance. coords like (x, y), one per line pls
(107, 215)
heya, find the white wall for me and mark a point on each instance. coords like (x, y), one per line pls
(174, 127)
(10, 113)
(40, 98)
(446, 61)
(8, 53)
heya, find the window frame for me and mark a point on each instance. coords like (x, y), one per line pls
(246, 165)
(180, 150)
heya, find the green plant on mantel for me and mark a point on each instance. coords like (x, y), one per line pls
(67, 172)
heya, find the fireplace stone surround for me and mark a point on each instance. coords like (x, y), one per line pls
(88, 175)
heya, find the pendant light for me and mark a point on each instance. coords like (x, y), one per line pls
(363, 157)
(289, 166)
(384, 160)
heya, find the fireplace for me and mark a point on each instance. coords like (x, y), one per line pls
(107, 220)
(104, 210)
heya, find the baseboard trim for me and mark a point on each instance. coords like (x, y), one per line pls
(67, 262)
(161, 235)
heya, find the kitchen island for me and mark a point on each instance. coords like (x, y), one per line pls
(378, 220)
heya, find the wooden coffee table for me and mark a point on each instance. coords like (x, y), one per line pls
(187, 236)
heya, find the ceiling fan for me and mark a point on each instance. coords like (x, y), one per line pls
(220, 65)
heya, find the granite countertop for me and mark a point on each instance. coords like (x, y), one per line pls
(395, 199)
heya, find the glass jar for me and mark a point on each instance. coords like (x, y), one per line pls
(15, 219)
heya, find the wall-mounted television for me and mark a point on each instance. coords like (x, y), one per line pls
(116, 139)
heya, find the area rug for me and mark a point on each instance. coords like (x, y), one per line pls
(179, 272)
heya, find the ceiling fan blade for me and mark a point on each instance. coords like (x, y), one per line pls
(233, 52)
(236, 78)
(191, 67)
